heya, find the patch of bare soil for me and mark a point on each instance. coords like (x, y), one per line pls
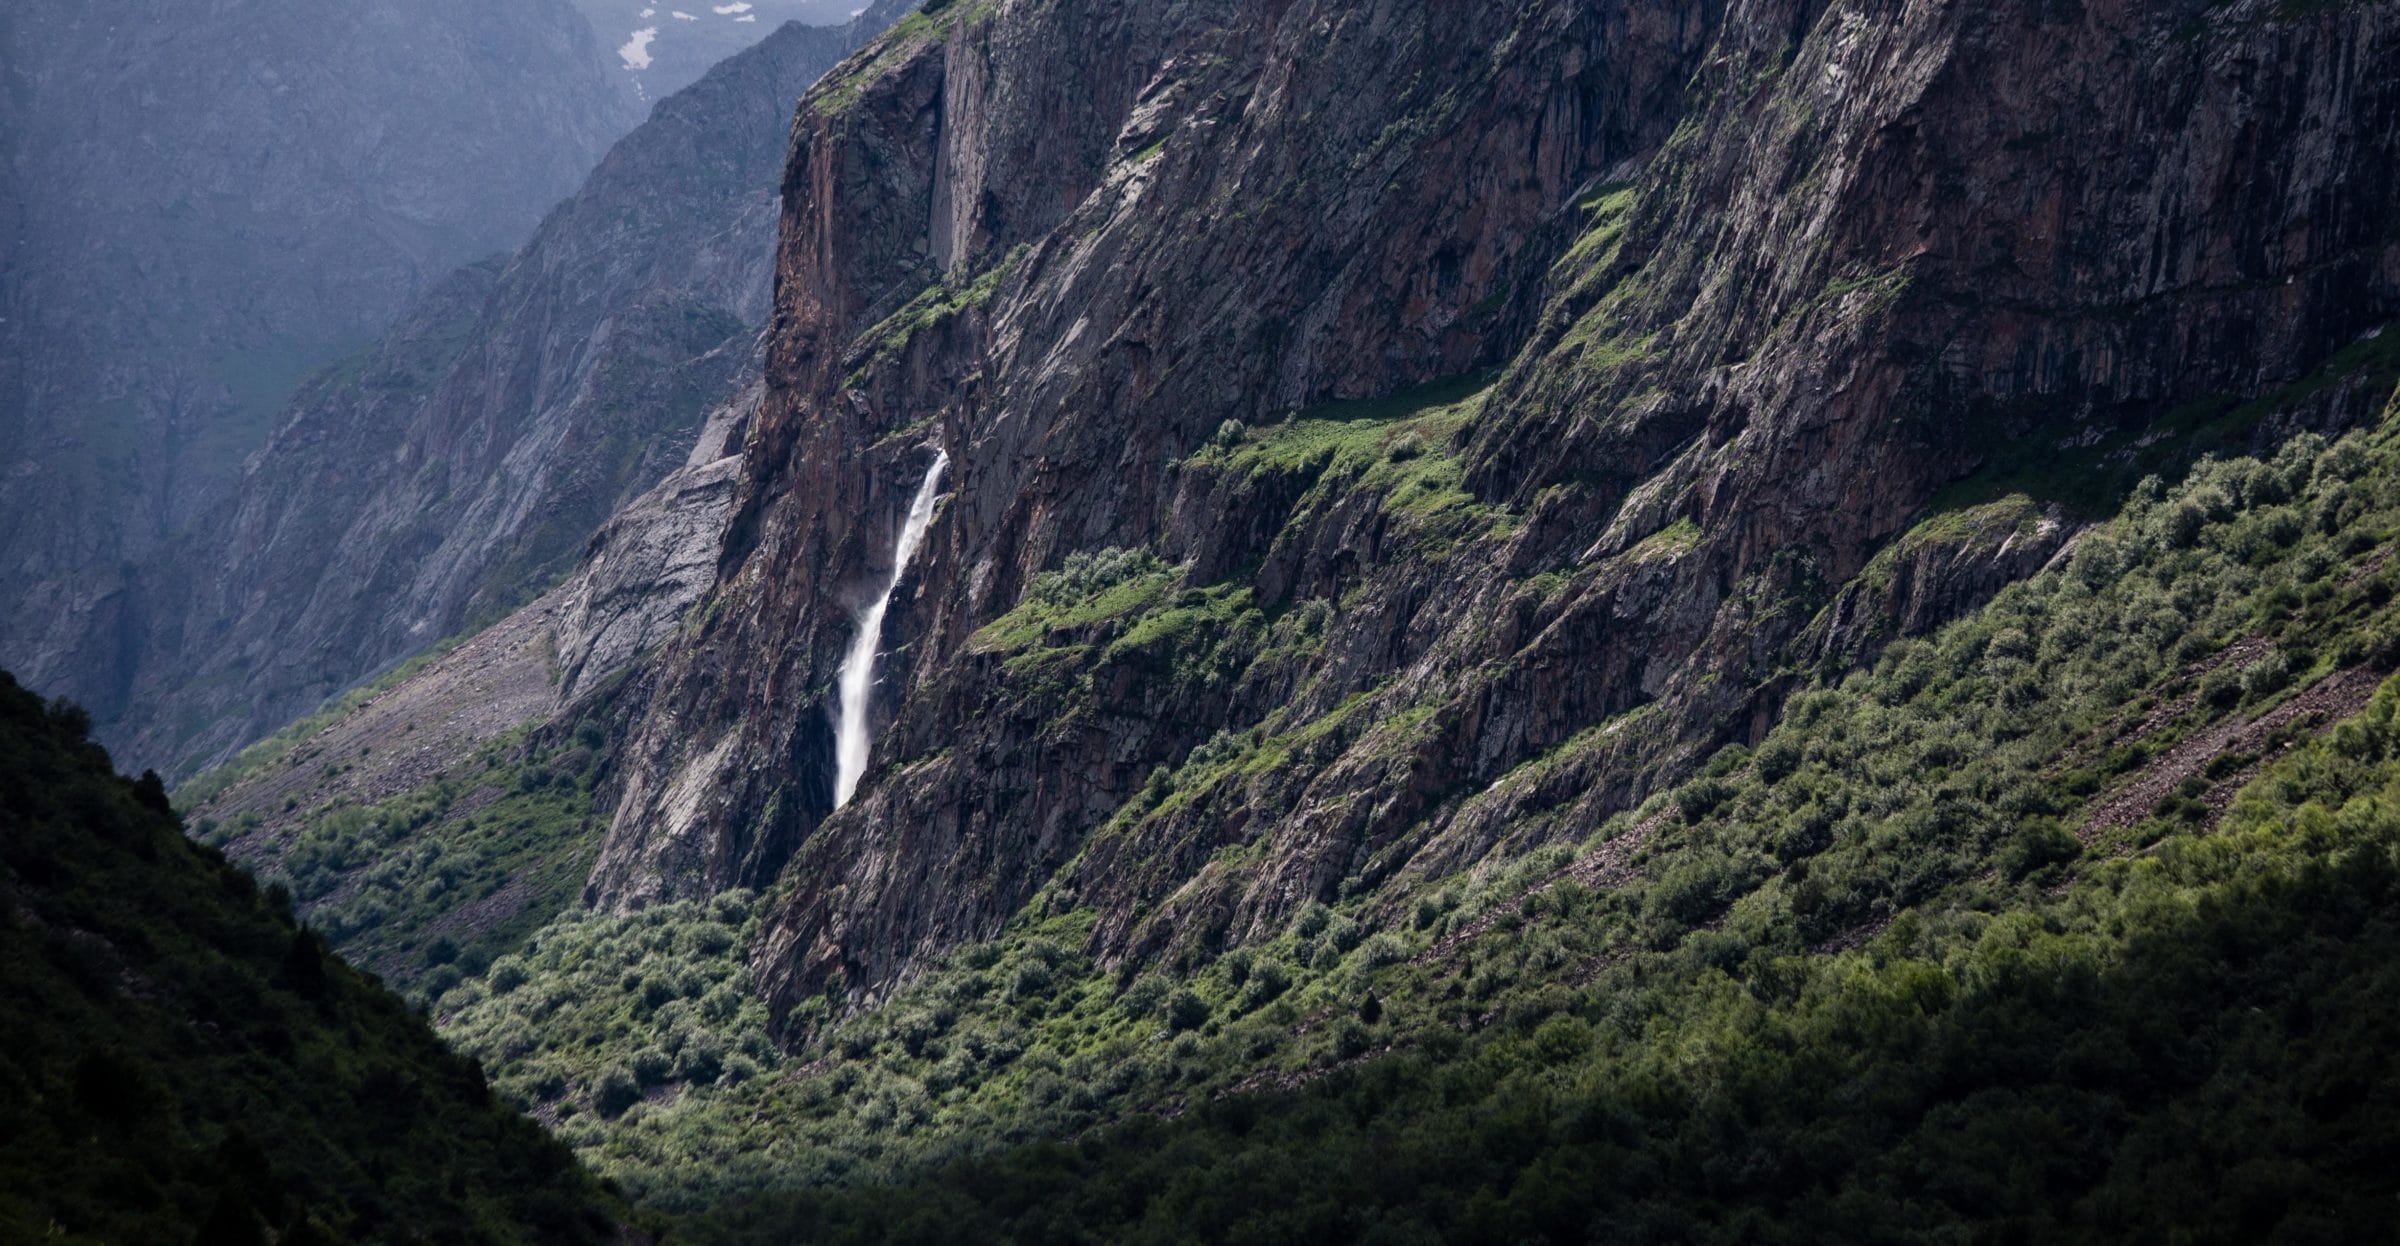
(1609, 865)
(2242, 652)
(407, 736)
(2336, 696)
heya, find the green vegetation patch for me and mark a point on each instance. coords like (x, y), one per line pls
(841, 90)
(638, 1019)
(1092, 588)
(433, 885)
(1677, 538)
(2184, 1045)
(1397, 448)
(1608, 210)
(1960, 525)
(937, 302)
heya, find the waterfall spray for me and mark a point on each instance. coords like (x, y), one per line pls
(858, 666)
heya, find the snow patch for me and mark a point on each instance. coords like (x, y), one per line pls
(681, 16)
(636, 51)
(724, 10)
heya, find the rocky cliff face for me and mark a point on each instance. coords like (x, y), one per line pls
(627, 595)
(210, 201)
(1386, 433)
(954, 197)
(457, 469)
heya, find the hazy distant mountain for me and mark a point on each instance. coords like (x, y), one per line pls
(467, 456)
(208, 202)
(659, 48)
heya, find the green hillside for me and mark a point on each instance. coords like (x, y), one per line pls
(183, 1063)
(2077, 917)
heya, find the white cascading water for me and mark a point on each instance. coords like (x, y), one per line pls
(858, 666)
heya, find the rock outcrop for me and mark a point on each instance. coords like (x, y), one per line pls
(565, 650)
(652, 560)
(1620, 339)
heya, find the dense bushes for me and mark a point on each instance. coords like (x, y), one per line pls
(180, 1055)
(2186, 1045)
(642, 1019)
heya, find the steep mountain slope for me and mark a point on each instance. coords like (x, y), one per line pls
(454, 471)
(1724, 621)
(181, 1056)
(210, 201)
(2105, 869)
(2190, 1046)
(1762, 281)
(432, 820)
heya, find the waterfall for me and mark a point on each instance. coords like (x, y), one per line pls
(858, 666)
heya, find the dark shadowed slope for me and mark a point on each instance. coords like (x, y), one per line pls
(181, 1056)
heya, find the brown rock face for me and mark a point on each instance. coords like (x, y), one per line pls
(1735, 291)
(979, 147)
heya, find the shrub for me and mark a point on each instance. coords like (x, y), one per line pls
(1143, 995)
(1031, 981)
(1701, 797)
(701, 1061)
(1186, 1011)
(2268, 675)
(1267, 981)
(2036, 845)
(1561, 1039)
(614, 1091)
(1381, 950)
